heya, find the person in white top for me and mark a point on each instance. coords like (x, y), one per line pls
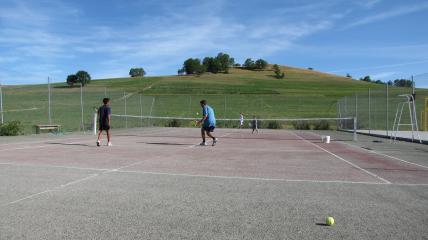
(241, 120)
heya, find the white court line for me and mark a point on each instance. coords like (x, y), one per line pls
(249, 178)
(340, 158)
(52, 166)
(385, 155)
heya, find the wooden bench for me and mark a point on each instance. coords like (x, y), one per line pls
(50, 127)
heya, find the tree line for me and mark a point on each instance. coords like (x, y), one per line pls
(219, 64)
(396, 83)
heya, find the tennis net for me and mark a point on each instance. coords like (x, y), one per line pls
(342, 128)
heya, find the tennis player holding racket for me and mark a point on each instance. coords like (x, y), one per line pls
(208, 123)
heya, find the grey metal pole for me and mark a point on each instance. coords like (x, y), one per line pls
(151, 110)
(355, 129)
(370, 116)
(225, 106)
(356, 107)
(387, 110)
(49, 101)
(126, 117)
(81, 107)
(190, 106)
(105, 91)
(1, 105)
(141, 109)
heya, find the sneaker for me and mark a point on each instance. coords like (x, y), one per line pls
(203, 144)
(215, 141)
(109, 144)
(98, 143)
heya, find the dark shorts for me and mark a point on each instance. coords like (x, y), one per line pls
(208, 128)
(105, 127)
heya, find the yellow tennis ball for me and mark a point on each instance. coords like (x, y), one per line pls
(329, 221)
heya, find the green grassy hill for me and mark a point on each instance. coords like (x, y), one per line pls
(302, 93)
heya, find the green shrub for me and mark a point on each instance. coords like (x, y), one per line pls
(322, 125)
(13, 128)
(273, 125)
(301, 125)
(174, 123)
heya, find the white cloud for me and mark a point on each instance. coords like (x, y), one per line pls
(399, 11)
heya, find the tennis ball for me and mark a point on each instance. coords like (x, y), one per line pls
(329, 221)
(197, 113)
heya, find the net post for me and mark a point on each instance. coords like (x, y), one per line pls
(387, 110)
(94, 123)
(355, 129)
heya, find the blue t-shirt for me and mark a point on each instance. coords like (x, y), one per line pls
(209, 112)
(104, 112)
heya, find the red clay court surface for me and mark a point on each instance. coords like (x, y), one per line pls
(159, 184)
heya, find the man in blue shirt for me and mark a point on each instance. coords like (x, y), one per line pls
(208, 122)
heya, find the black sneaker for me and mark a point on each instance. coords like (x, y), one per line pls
(98, 143)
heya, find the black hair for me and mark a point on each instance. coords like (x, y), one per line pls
(106, 100)
(203, 102)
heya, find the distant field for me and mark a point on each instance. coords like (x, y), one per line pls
(302, 93)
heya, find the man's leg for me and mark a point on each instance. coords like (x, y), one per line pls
(210, 135)
(203, 134)
(108, 135)
(99, 137)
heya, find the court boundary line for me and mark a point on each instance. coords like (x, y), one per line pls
(386, 155)
(344, 160)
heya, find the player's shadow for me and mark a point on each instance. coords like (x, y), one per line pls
(70, 144)
(167, 143)
(321, 224)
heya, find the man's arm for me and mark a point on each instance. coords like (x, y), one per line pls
(203, 119)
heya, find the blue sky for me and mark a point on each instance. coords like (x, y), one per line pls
(385, 39)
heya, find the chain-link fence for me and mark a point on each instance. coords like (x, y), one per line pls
(376, 110)
(74, 108)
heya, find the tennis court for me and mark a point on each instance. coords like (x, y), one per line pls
(157, 183)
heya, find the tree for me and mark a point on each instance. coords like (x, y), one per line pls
(212, 65)
(261, 64)
(181, 71)
(403, 83)
(192, 66)
(249, 64)
(390, 83)
(224, 61)
(137, 72)
(83, 77)
(277, 71)
(348, 75)
(71, 80)
(366, 79)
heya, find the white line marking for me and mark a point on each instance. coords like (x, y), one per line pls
(348, 162)
(52, 166)
(385, 155)
(249, 178)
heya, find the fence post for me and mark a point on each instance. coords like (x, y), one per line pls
(49, 101)
(370, 116)
(1, 105)
(94, 123)
(356, 106)
(141, 109)
(151, 110)
(225, 107)
(387, 110)
(126, 116)
(355, 129)
(81, 106)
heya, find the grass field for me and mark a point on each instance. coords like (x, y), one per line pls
(302, 93)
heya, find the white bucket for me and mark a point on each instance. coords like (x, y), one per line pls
(327, 139)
